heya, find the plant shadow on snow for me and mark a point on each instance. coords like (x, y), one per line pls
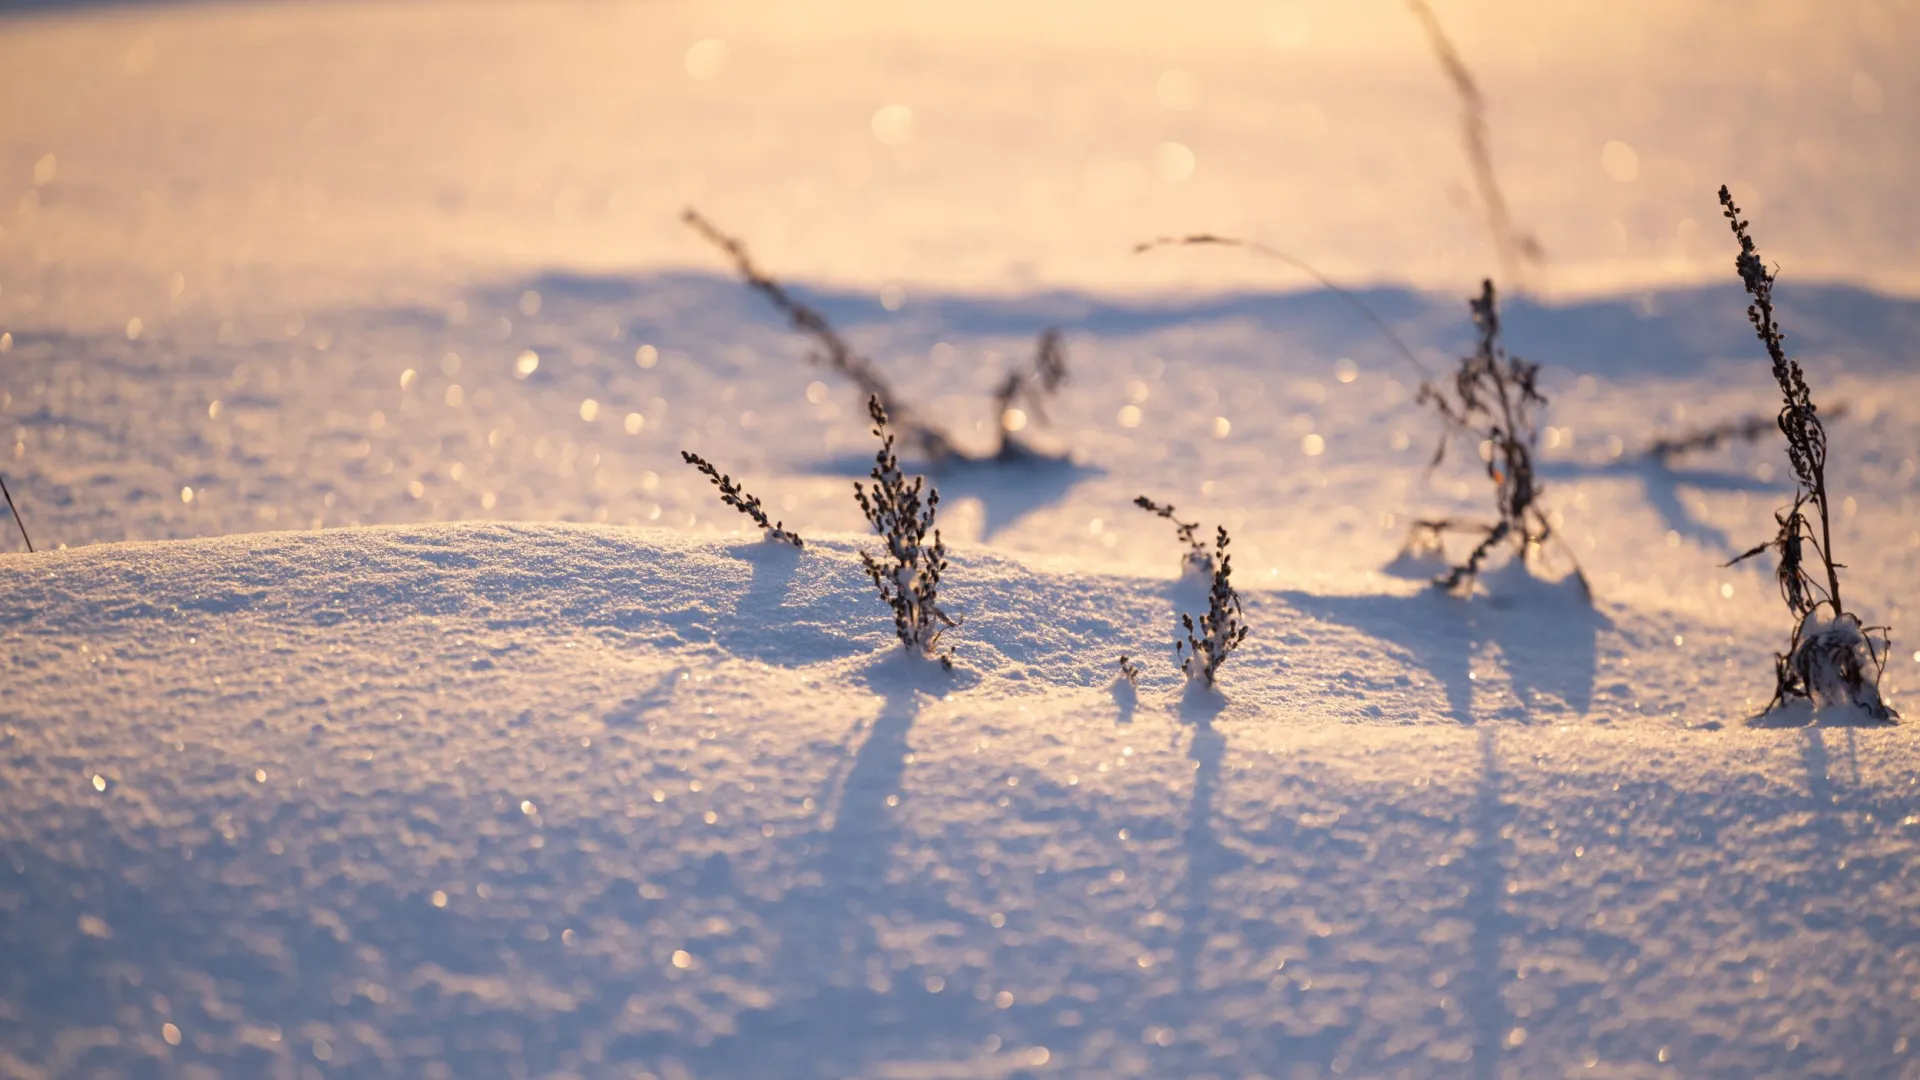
(829, 926)
(1663, 486)
(766, 625)
(1546, 634)
(1006, 492)
(1804, 714)
(633, 711)
(1644, 334)
(1486, 872)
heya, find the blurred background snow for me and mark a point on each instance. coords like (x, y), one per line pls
(163, 159)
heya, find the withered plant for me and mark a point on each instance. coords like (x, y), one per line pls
(735, 496)
(1221, 629)
(1494, 400)
(1268, 251)
(1745, 429)
(1514, 248)
(1198, 559)
(1029, 388)
(1033, 389)
(832, 349)
(908, 574)
(1831, 658)
(16, 514)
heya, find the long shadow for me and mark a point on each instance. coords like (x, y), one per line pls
(1662, 486)
(766, 628)
(1547, 638)
(633, 711)
(829, 928)
(1486, 892)
(1007, 491)
(1207, 857)
(1681, 329)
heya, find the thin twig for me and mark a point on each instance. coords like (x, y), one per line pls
(16, 514)
(1512, 247)
(1745, 429)
(836, 353)
(1304, 267)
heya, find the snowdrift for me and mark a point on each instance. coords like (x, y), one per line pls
(471, 800)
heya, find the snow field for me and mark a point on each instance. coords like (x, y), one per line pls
(538, 800)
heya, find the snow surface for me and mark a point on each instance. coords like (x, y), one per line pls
(539, 799)
(390, 699)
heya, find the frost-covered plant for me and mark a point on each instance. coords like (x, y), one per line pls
(1221, 629)
(1033, 389)
(16, 513)
(735, 496)
(1495, 398)
(1831, 658)
(1198, 559)
(908, 576)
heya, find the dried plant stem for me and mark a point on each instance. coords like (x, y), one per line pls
(16, 514)
(1495, 396)
(737, 497)
(1745, 429)
(834, 350)
(1824, 661)
(907, 576)
(1198, 559)
(1220, 630)
(1033, 388)
(1512, 247)
(1258, 248)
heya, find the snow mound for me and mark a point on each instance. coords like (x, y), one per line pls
(570, 800)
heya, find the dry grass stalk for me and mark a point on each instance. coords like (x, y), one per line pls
(735, 496)
(1831, 658)
(1032, 389)
(16, 514)
(833, 350)
(1327, 283)
(1198, 559)
(1494, 398)
(1514, 248)
(908, 577)
(1747, 429)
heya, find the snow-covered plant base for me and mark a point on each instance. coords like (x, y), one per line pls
(1220, 630)
(1198, 561)
(1833, 662)
(1830, 657)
